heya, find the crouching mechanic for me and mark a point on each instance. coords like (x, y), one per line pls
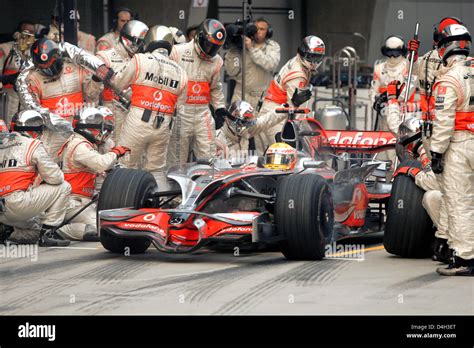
(241, 125)
(285, 86)
(433, 200)
(31, 184)
(81, 163)
(156, 82)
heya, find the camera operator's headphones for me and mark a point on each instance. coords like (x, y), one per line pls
(269, 30)
(116, 13)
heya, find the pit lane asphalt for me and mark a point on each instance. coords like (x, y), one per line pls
(86, 279)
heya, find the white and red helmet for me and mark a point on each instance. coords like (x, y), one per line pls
(454, 39)
(312, 51)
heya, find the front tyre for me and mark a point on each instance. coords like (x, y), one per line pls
(125, 188)
(304, 215)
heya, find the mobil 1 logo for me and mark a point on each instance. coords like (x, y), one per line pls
(166, 81)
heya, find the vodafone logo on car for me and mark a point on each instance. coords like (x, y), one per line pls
(236, 229)
(142, 227)
(339, 138)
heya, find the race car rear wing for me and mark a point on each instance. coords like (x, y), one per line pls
(306, 133)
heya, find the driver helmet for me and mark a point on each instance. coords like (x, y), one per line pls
(241, 116)
(209, 38)
(311, 51)
(95, 124)
(29, 123)
(280, 156)
(132, 36)
(46, 57)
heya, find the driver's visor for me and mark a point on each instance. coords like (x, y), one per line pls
(278, 158)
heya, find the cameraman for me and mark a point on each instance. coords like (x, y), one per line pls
(262, 57)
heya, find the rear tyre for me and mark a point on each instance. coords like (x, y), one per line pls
(409, 230)
(304, 215)
(125, 188)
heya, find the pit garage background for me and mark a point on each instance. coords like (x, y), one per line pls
(361, 24)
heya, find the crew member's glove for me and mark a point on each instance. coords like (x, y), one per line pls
(393, 90)
(379, 102)
(9, 79)
(103, 73)
(120, 150)
(414, 45)
(436, 165)
(219, 117)
(301, 96)
(412, 172)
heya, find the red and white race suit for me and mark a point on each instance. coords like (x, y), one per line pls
(108, 41)
(81, 163)
(453, 136)
(10, 62)
(64, 95)
(24, 164)
(115, 58)
(194, 128)
(291, 76)
(156, 83)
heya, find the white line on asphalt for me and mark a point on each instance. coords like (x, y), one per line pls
(344, 259)
(74, 248)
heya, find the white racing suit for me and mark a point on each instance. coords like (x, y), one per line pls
(389, 70)
(63, 95)
(81, 162)
(194, 128)
(115, 58)
(433, 200)
(24, 165)
(426, 69)
(261, 62)
(86, 41)
(11, 61)
(237, 145)
(156, 82)
(291, 76)
(453, 136)
(384, 73)
(108, 41)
